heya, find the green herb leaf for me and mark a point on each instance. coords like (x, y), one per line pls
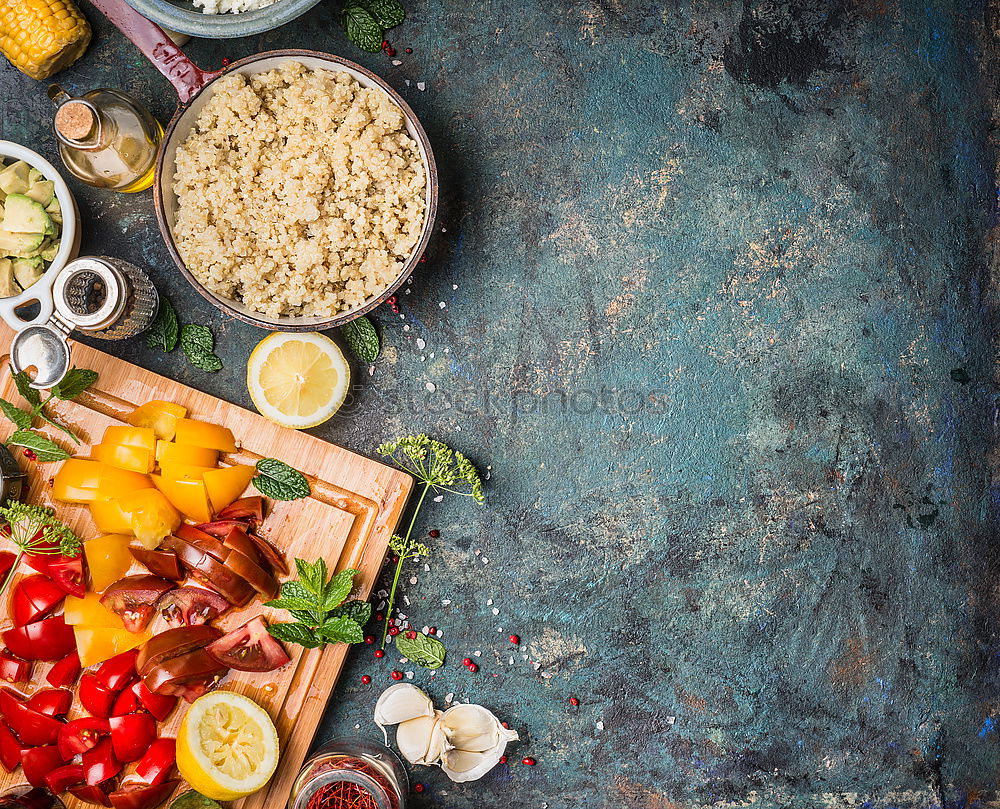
(338, 588)
(359, 611)
(28, 393)
(296, 633)
(193, 800)
(387, 13)
(165, 329)
(312, 575)
(198, 345)
(290, 604)
(362, 339)
(423, 650)
(341, 630)
(361, 27)
(279, 481)
(44, 449)
(76, 381)
(21, 419)
(35, 529)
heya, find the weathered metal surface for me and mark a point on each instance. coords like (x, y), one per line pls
(711, 301)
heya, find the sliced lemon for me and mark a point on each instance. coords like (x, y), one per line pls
(227, 747)
(298, 380)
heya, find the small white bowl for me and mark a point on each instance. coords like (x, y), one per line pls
(69, 245)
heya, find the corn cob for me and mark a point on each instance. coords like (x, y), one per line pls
(41, 37)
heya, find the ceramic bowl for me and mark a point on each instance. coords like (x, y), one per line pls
(69, 246)
(186, 18)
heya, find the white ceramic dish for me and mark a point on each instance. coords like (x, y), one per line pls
(69, 245)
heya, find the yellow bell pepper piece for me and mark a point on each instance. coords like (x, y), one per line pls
(109, 517)
(131, 437)
(108, 559)
(89, 611)
(195, 433)
(167, 452)
(134, 459)
(95, 644)
(160, 416)
(227, 484)
(80, 480)
(151, 516)
(187, 495)
(180, 470)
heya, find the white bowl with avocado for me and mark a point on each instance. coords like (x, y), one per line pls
(39, 232)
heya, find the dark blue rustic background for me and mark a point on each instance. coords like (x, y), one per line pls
(717, 313)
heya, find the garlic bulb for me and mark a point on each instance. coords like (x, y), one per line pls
(467, 741)
(401, 703)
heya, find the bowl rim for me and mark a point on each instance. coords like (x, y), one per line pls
(41, 290)
(314, 324)
(222, 26)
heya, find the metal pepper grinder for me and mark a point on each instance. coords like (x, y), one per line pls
(101, 297)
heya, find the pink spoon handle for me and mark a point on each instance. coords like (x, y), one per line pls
(186, 77)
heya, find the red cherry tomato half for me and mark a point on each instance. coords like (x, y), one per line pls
(38, 762)
(48, 639)
(7, 560)
(97, 699)
(89, 794)
(32, 728)
(131, 735)
(159, 705)
(100, 764)
(118, 672)
(62, 778)
(249, 648)
(67, 572)
(51, 701)
(34, 598)
(13, 669)
(80, 735)
(126, 703)
(246, 509)
(65, 672)
(155, 766)
(142, 796)
(10, 749)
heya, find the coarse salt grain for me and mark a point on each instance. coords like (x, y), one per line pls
(441, 304)
(421, 86)
(496, 611)
(421, 344)
(431, 387)
(413, 579)
(439, 498)
(445, 602)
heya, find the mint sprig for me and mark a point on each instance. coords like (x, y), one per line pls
(319, 607)
(198, 346)
(362, 339)
(366, 21)
(279, 481)
(76, 381)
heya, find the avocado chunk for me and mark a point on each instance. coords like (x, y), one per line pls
(27, 271)
(23, 215)
(7, 285)
(48, 252)
(19, 244)
(14, 178)
(42, 192)
(54, 210)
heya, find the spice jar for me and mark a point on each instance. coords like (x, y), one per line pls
(106, 138)
(351, 773)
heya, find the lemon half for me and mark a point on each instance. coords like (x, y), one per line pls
(227, 747)
(298, 380)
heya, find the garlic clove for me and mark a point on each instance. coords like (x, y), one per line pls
(461, 765)
(473, 728)
(401, 703)
(421, 740)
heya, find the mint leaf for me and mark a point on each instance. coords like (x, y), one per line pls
(362, 339)
(387, 13)
(290, 604)
(312, 575)
(44, 449)
(361, 27)
(341, 630)
(165, 329)
(423, 650)
(296, 633)
(338, 588)
(76, 381)
(198, 345)
(28, 393)
(279, 481)
(21, 419)
(359, 611)
(193, 800)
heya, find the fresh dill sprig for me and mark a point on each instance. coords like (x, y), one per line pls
(436, 467)
(37, 531)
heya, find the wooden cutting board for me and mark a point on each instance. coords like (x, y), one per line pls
(355, 506)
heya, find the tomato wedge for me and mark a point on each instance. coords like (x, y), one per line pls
(131, 735)
(32, 728)
(275, 558)
(34, 598)
(51, 701)
(80, 735)
(97, 699)
(10, 749)
(119, 672)
(91, 794)
(202, 541)
(100, 764)
(65, 672)
(127, 702)
(261, 581)
(219, 528)
(159, 705)
(249, 648)
(13, 669)
(160, 563)
(205, 568)
(246, 508)
(191, 606)
(142, 796)
(48, 639)
(172, 643)
(37, 762)
(155, 766)
(67, 572)
(62, 778)
(7, 560)
(134, 599)
(188, 675)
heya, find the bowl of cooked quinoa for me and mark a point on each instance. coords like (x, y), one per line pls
(296, 192)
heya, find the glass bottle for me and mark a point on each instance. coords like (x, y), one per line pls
(350, 773)
(106, 138)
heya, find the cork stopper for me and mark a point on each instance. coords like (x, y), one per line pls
(74, 120)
